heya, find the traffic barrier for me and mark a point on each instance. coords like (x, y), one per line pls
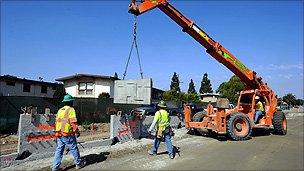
(128, 127)
(36, 133)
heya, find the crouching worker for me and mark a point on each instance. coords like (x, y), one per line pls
(66, 130)
(163, 130)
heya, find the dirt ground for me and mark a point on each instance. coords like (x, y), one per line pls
(9, 143)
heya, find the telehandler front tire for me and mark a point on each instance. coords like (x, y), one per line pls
(239, 127)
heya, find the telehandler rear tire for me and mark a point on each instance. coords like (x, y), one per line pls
(239, 127)
(279, 123)
(198, 117)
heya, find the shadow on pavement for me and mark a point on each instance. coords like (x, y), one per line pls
(209, 134)
(175, 149)
(91, 159)
(261, 132)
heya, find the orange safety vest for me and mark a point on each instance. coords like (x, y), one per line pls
(65, 119)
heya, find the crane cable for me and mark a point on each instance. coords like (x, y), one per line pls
(136, 47)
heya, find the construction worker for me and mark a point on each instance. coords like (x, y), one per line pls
(163, 130)
(259, 109)
(66, 131)
(210, 108)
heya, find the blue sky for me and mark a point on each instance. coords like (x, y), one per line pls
(53, 39)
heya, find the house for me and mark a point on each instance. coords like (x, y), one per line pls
(14, 86)
(212, 97)
(157, 93)
(88, 85)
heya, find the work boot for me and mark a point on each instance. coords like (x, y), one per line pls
(81, 165)
(52, 169)
(151, 153)
(171, 156)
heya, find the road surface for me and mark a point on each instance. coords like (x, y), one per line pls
(262, 152)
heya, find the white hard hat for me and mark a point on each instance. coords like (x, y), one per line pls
(257, 98)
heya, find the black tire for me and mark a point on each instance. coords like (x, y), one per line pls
(279, 123)
(198, 117)
(239, 127)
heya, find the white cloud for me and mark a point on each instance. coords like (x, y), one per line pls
(268, 77)
(275, 67)
(286, 76)
(285, 67)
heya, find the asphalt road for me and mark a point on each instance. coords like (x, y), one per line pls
(262, 152)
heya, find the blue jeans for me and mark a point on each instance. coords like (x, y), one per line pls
(168, 144)
(71, 142)
(258, 113)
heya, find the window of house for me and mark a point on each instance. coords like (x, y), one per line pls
(89, 88)
(44, 89)
(10, 83)
(85, 88)
(26, 87)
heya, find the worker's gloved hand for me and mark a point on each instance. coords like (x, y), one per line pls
(172, 133)
(77, 134)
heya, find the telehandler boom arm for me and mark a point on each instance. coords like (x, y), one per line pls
(214, 48)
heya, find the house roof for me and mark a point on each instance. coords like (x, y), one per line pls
(210, 94)
(156, 89)
(62, 79)
(24, 80)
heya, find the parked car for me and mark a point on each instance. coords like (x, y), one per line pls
(152, 108)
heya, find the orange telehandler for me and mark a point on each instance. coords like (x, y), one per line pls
(237, 123)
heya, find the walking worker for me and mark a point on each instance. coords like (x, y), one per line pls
(259, 109)
(66, 131)
(163, 130)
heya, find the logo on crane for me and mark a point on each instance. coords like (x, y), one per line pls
(236, 62)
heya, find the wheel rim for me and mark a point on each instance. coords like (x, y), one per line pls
(284, 123)
(240, 127)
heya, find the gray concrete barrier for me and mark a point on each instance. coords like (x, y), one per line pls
(36, 137)
(126, 127)
(36, 133)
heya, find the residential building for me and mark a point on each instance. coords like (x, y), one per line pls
(14, 86)
(212, 97)
(87, 85)
(157, 93)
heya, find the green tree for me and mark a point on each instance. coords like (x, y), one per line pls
(174, 96)
(191, 88)
(205, 85)
(279, 101)
(175, 83)
(231, 89)
(180, 97)
(290, 99)
(192, 97)
(59, 94)
(299, 102)
(104, 95)
(115, 75)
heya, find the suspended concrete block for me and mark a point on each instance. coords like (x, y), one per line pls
(133, 91)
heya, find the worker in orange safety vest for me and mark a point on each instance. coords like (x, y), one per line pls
(66, 131)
